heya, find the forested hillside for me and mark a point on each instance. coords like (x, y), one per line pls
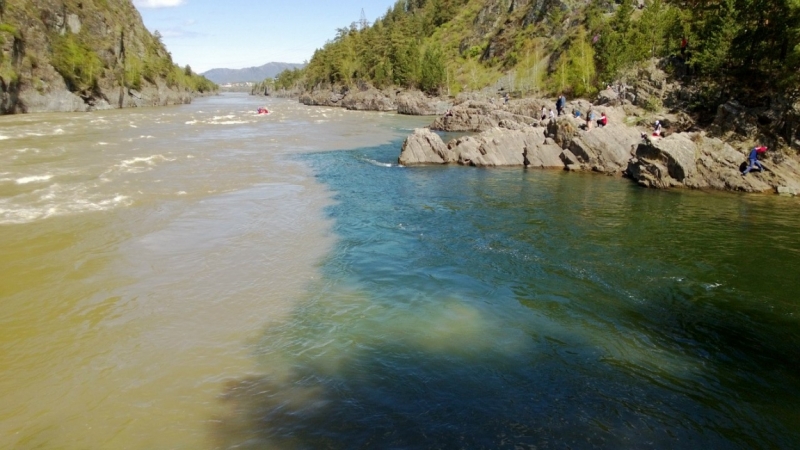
(742, 47)
(70, 55)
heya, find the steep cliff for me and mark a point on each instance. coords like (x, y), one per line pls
(78, 55)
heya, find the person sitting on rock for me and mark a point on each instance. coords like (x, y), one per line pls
(589, 119)
(449, 113)
(753, 159)
(603, 120)
(657, 130)
(575, 113)
(544, 113)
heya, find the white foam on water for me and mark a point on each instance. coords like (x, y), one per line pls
(181, 192)
(380, 164)
(57, 200)
(59, 131)
(33, 179)
(133, 126)
(141, 164)
(191, 122)
(145, 137)
(230, 122)
(3, 138)
(102, 143)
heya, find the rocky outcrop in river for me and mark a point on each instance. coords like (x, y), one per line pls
(415, 103)
(691, 160)
(697, 161)
(367, 98)
(481, 115)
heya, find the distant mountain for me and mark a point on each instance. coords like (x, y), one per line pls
(269, 70)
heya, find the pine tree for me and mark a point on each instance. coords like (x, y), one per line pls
(432, 70)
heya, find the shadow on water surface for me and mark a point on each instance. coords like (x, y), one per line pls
(468, 308)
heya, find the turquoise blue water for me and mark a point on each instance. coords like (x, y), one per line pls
(505, 308)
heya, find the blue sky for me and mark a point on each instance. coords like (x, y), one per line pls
(208, 34)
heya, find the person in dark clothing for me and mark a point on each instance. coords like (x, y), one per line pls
(753, 159)
(560, 103)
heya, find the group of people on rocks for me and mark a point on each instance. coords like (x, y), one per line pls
(658, 130)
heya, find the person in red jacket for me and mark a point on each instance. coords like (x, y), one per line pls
(603, 120)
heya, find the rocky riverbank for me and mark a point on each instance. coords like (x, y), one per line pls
(367, 98)
(514, 134)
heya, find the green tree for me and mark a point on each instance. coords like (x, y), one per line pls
(433, 73)
(581, 65)
(717, 34)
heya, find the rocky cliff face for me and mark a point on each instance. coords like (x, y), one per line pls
(68, 55)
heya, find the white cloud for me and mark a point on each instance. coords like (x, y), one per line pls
(157, 3)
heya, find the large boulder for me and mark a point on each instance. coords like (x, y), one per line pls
(503, 147)
(607, 97)
(471, 115)
(605, 149)
(732, 117)
(477, 116)
(696, 161)
(563, 130)
(369, 99)
(495, 147)
(665, 162)
(321, 97)
(415, 103)
(425, 147)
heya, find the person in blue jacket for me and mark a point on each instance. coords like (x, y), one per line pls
(753, 159)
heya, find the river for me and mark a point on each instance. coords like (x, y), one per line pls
(200, 276)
